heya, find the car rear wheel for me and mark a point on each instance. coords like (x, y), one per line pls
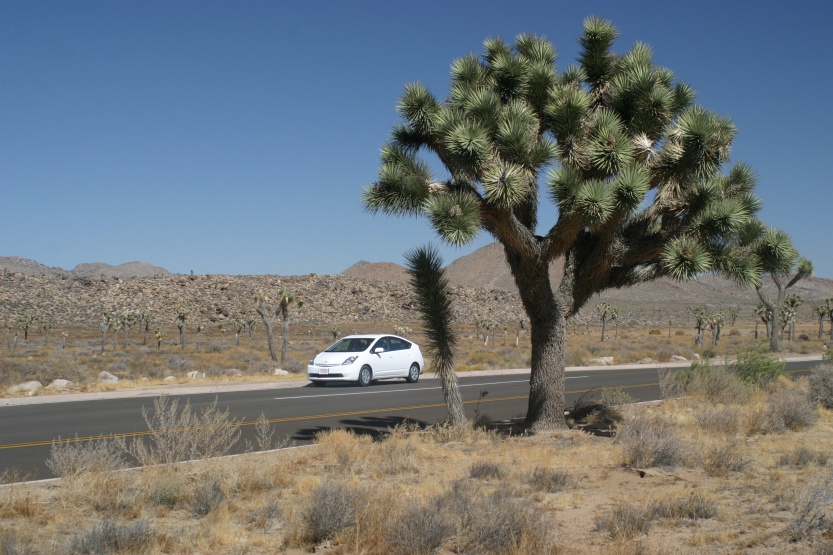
(413, 373)
(365, 375)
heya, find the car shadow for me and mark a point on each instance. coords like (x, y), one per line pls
(376, 427)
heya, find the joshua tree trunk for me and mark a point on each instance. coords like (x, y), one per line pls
(285, 343)
(267, 322)
(548, 326)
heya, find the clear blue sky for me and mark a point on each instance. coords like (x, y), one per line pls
(235, 137)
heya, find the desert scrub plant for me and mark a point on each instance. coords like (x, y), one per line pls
(331, 508)
(72, 457)
(501, 524)
(62, 364)
(725, 420)
(725, 456)
(418, 529)
(549, 480)
(650, 440)
(110, 537)
(488, 470)
(708, 380)
(625, 521)
(803, 456)
(692, 507)
(181, 435)
(821, 384)
(814, 510)
(793, 406)
(755, 365)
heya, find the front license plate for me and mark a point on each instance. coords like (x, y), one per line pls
(323, 371)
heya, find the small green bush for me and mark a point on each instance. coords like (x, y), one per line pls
(756, 365)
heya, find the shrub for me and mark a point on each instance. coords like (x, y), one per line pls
(500, 524)
(487, 470)
(181, 435)
(654, 331)
(724, 457)
(724, 420)
(418, 529)
(62, 364)
(794, 408)
(625, 521)
(821, 385)
(802, 456)
(757, 366)
(693, 507)
(550, 480)
(207, 497)
(330, 509)
(813, 510)
(70, 458)
(109, 537)
(709, 380)
(649, 440)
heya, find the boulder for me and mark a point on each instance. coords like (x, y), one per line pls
(234, 372)
(28, 388)
(678, 358)
(107, 377)
(601, 361)
(59, 384)
(280, 372)
(170, 379)
(196, 375)
(647, 360)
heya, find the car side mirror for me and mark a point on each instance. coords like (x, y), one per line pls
(378, 350)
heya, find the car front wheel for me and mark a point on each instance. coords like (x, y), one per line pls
(365, 374)
(413, 373)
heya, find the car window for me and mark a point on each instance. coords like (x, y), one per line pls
(397, 344)
(352, 345)
(383, 343)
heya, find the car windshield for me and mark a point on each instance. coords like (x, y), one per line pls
(350, 345)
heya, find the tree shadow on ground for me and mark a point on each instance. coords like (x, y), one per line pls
(377, 427)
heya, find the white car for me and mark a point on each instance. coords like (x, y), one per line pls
(364, 358)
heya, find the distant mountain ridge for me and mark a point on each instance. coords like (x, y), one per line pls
(17, 264)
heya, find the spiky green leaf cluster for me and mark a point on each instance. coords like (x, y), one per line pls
(637, 171)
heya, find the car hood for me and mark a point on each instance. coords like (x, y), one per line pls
(332, 359)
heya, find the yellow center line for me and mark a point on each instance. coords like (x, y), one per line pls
(299, 418)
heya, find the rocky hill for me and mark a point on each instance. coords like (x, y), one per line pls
(481, 282)
(16, 264)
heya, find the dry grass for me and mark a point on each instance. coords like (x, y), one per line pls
(442, 491)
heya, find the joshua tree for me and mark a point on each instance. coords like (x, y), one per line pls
(181, 320)
(434, 305)
(606, 312)
(335, 331)
(239, 323)
(765, 314)
(46, 324)
(734, 310)
(779, 259)
(199, 327)
(701, 319)
(159, 333)
(402, 331)
(128, 320)
(269, 314)
(716, 322)
(788, 312)
(639, 183)
(29, 318)
(286, 299)
(106, 323)
(822, 311)
(143, 320)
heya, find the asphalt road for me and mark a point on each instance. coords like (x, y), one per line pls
(298, 412)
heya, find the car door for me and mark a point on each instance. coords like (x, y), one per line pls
(383, 361)
(400, 356)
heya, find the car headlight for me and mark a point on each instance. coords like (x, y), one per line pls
(312, 362)
(350, 360)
